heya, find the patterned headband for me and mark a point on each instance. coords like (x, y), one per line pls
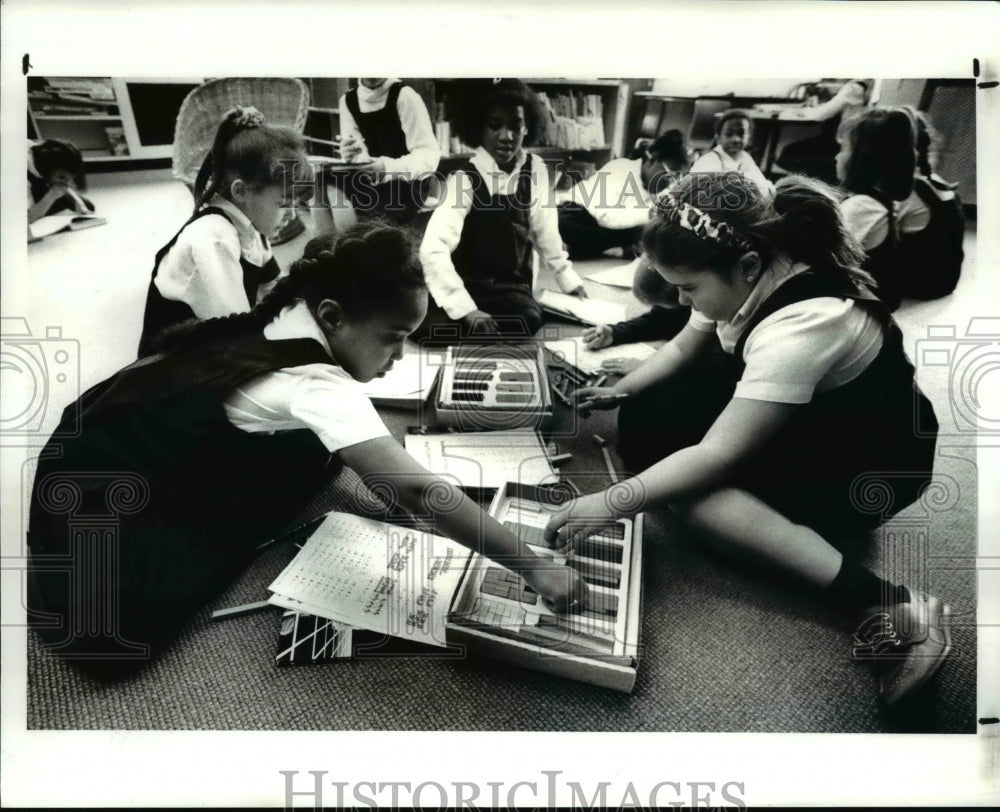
(699, 223)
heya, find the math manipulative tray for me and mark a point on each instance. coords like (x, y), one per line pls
(494, 613)
(494, 386)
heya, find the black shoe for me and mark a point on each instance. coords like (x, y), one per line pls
(906, 642)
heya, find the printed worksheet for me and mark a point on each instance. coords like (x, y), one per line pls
(372, 575)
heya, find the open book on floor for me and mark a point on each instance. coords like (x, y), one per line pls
(70, 221)
(588, 311)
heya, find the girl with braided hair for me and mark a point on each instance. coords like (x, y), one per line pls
(785, 400)
(220, 259)
(225, 434)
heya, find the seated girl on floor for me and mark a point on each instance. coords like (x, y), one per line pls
(218, 262)
(733, 136)
(477, 251)
(609, 209)
(876, 166)
(931, 226)
(786, 397)
(216, 443)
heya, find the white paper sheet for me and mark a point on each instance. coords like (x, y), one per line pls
(372, 575)
(486, 459)
(410, 381)
(589, 311)
(572, 351)
(619, 277)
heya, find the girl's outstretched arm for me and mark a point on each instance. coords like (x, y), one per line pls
(383, 464)
(744, 428)
(670, 358)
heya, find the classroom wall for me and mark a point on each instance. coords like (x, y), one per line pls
(721, 87)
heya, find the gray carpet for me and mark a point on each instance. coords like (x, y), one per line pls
(723, 649)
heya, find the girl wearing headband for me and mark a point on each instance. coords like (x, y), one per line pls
(216, 264)
(777, 411)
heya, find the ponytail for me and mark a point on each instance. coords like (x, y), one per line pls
(810, 227)
(194, 332)
(247, 148)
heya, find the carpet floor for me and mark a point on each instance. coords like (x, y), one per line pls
(723, 648)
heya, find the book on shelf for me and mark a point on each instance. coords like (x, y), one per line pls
(116, 140)
(69, 221)
(82, 87)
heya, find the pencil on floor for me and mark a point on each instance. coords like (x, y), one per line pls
(237, 611)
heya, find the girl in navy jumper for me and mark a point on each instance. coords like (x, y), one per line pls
(386, 123)
(208, 448)
(876, 165)
(220, 259)
(478, 246)
(816, 404)
(931, 227)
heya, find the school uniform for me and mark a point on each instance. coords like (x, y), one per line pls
(393, 123)
(606, 211)
(873, 222)
(931, 231)
(656, 324)
(214, 266)
(718, 160)
(199, 456)
(477, 251)
(836, 352)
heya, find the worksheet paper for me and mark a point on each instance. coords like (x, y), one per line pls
(371, 575)
(618, 277)
(572, 351)
(588, 311)
(410, 381)
(485, 459)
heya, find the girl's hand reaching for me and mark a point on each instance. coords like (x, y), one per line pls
(589, 398)
(587, 515)
(580, 292)
(479, 322)
(620, 366)
(561, 588)
(596, 338)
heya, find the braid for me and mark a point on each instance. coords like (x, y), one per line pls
(194, 332)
